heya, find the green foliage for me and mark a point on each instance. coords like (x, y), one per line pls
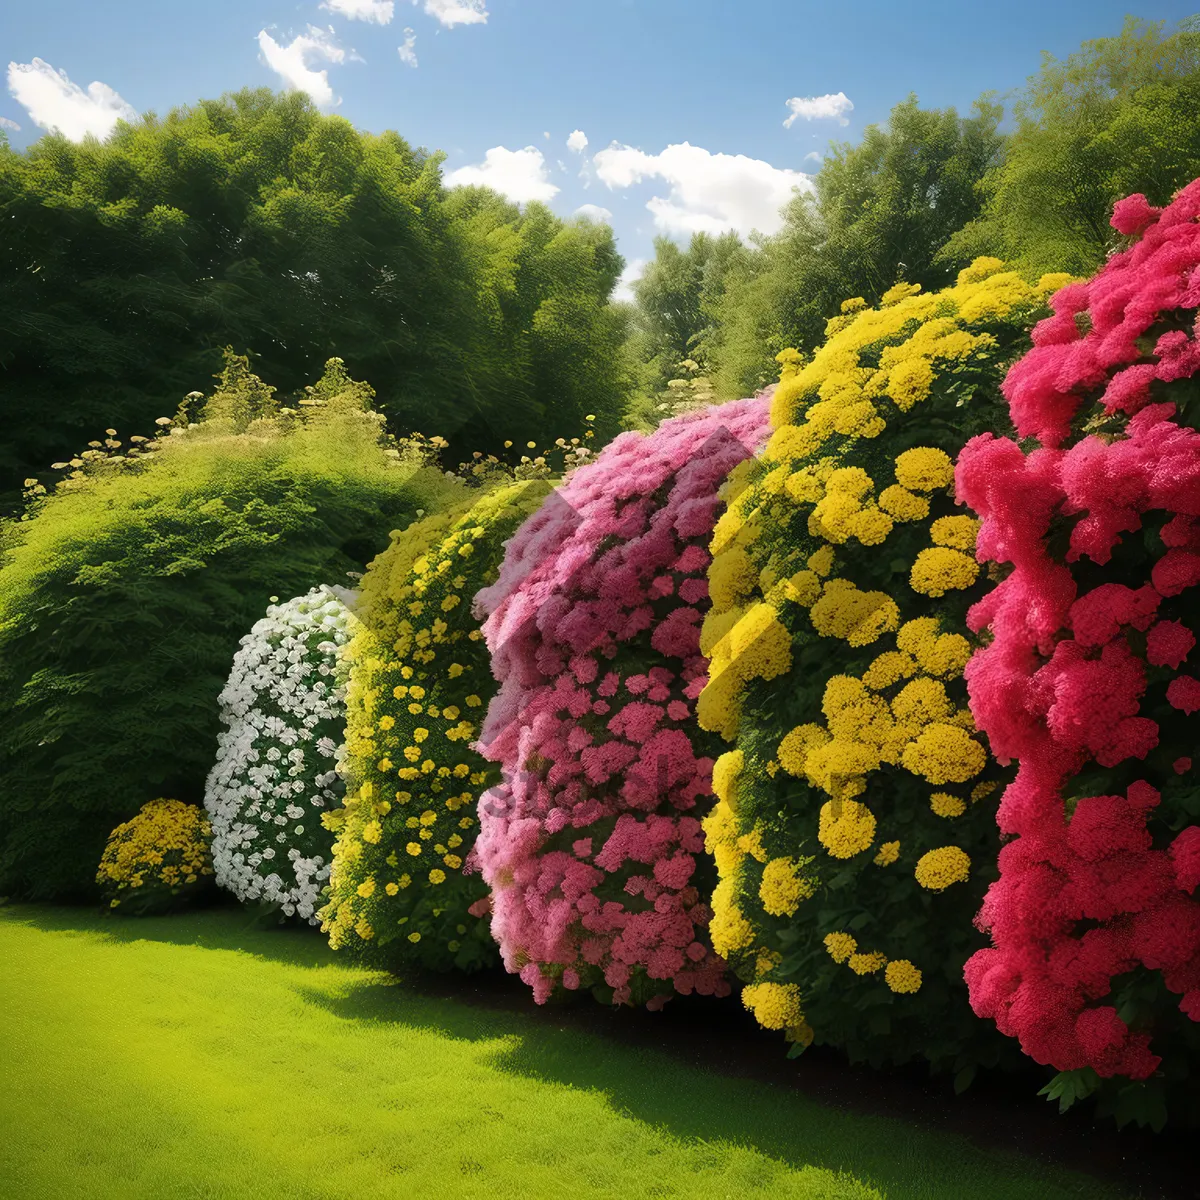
(1116, 118)
(881, 210)
(125, 590)
(257, 221)
(689, 390)
(555, 349)
(676, 310)
(420, 678)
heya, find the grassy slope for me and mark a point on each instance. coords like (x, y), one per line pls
(196, 1057)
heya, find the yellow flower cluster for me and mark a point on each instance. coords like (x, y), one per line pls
(845, 827)
(747, 638)
(802, 532)
(899, 974)
(731, 933)
(919, 728)
(942, 867)
(418, 676)
(166, 846)
(922, 333)
(776, 1005)
(783, 884)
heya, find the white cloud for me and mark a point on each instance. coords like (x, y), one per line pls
(457, 12)
(5, 123)
(830, 107)
(546, 135)
(815, 155)
(408, 53)
(623, 292)
(709, 193)
(290, 62)
(378, 12)
(54, 102)
(577, 141)
(518, 174)
(594, 212)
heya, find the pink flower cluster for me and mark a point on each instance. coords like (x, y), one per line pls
(589, 843)
(1158, 276)
(1088, 894)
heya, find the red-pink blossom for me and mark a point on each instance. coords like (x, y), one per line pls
(1088, 894)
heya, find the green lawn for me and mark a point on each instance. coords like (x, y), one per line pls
(195, 1056)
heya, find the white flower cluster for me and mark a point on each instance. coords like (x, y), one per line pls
(284, 712)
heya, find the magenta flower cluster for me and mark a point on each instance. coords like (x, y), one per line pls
(591, 842)
(1093, 889)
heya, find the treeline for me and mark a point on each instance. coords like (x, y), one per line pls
(920, 198)
(256, 222)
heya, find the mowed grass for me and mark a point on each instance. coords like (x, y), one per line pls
(195, 1056)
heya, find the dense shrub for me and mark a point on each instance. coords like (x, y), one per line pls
(419, 677)
(158, 860)
(853, 836)
(125, 591)
(283, 709)
(1088, 680)
(590, 842)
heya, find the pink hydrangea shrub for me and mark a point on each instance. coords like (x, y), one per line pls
(1092, 640)
(591, 842)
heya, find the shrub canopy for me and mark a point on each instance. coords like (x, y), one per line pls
(591, 842)
(125, 590)
(419, 680)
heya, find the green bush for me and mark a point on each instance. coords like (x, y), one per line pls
(124, 592)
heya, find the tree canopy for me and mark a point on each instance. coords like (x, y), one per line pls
(258, 222)
(1116, 118)
(879, 211)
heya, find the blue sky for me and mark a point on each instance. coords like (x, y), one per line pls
(487, 80)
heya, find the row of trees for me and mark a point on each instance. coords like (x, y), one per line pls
(255, 221)
(921, 197)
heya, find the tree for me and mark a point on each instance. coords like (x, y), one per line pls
(879, 211)
(256, 221)
(1113, 119)
(675, 311)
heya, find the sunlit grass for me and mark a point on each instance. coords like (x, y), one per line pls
(196, 1057)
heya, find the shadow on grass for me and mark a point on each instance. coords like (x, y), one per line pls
(221, 926)
(676, 1093)
(658, 1068)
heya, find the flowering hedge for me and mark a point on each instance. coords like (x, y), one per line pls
(419, 677)
(850, 836)
(158, 859)
(590, 843)
(283, 711)
(1089, 680)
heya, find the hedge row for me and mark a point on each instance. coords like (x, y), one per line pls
(869, 695)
